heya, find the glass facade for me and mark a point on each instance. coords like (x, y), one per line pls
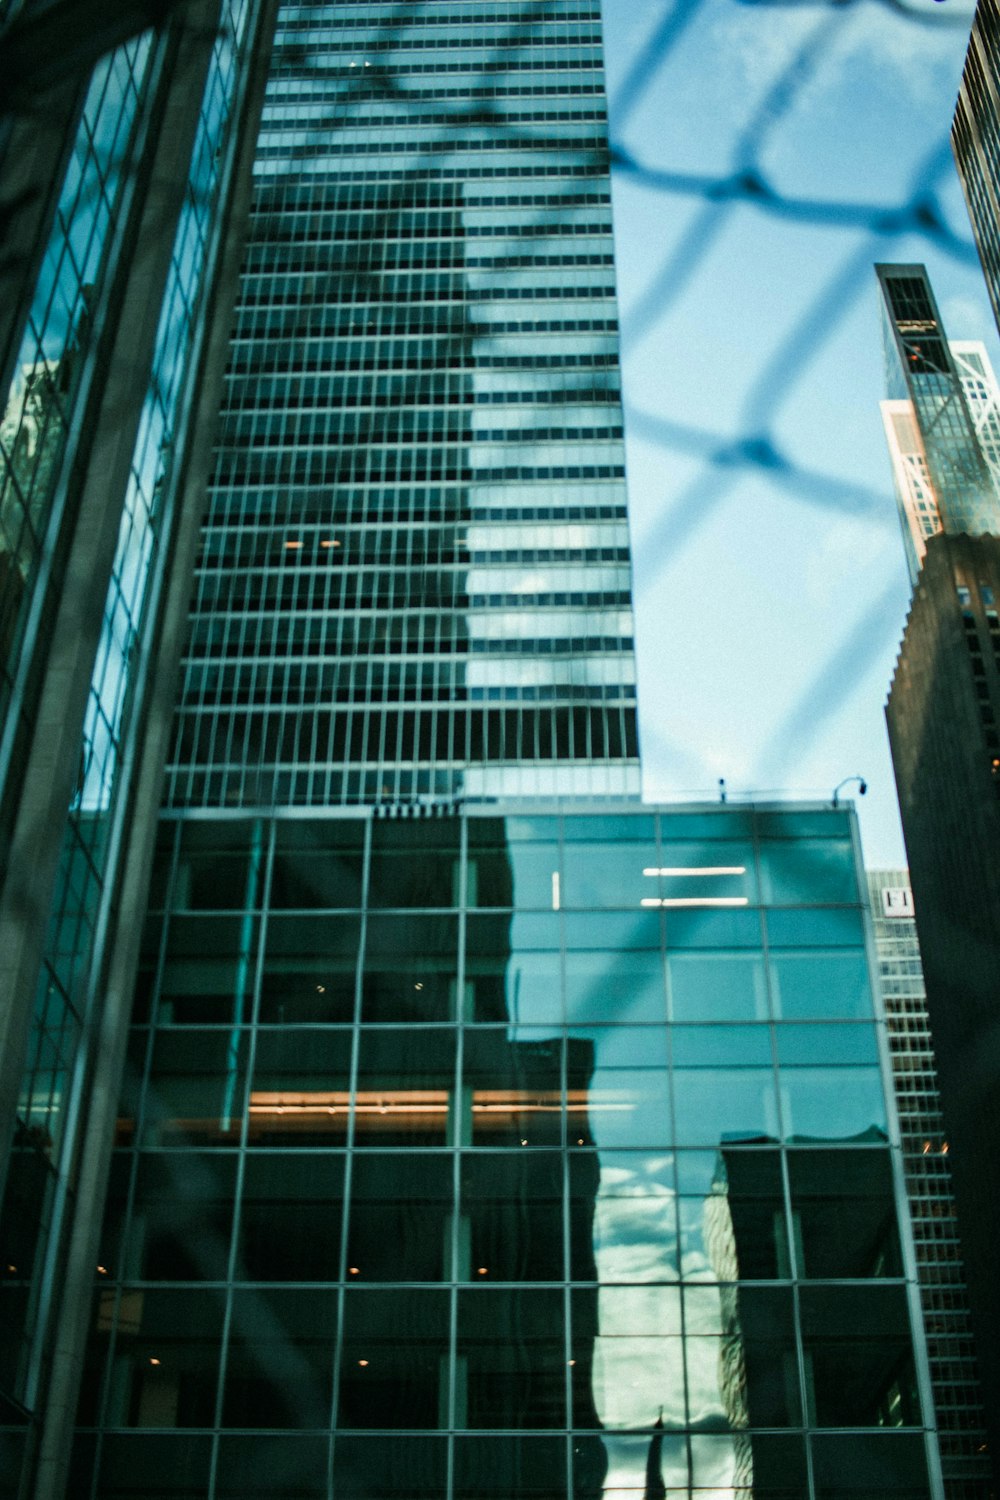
(38, 1188)
(921, 370)
(543, 1154)
(44, 400)
(415, 577)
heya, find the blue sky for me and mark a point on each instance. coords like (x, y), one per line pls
(770, 613)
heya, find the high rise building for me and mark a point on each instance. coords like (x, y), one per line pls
(417, 520)
(942, 418)
(919, 514)
(958, 1402)
(407, 1111)
(974, 138)
(942, 716)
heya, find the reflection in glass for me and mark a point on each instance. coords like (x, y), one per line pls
(623, 1072)
(278, 1370)
(410, 969)
(635, 1217)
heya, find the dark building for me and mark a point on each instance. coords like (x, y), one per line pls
(958, 1400)
(974, 137)
(942, 715)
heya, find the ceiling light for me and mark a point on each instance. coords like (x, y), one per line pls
(695, 901)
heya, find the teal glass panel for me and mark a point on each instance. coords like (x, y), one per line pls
(290, 1217)
(511, 1218)
(819, 928)
(639, 829)
(155, 1466)
(716, 1106)
(807, 871)
(819, 1044)
(272, 1466)
(832, 1103)
(410, 1467)
(182, 1216)
(195, 1093)
(734, 823)
(415, 864)
(513, 969)
(721, 1046)
(859, 1356)
(717, 987)
(401, 1226)
(511, 1361)
(410, 969)
(612, 931)
(618, 1077)
(621, 987)
(815, 986)
(714, 873)
(308, 972)
(608, 875)
(317, 864)
(744, 1230)
(512, 1091)
(712, 929)
(405, 1092)
(300, 1090)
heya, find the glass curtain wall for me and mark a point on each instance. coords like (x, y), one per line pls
(415, 578)
(40, 407)
(530, 1156)
(42, 1160)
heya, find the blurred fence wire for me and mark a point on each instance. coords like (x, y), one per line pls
(707, 202)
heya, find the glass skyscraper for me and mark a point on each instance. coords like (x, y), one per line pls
(942, 465)
(417, 526)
